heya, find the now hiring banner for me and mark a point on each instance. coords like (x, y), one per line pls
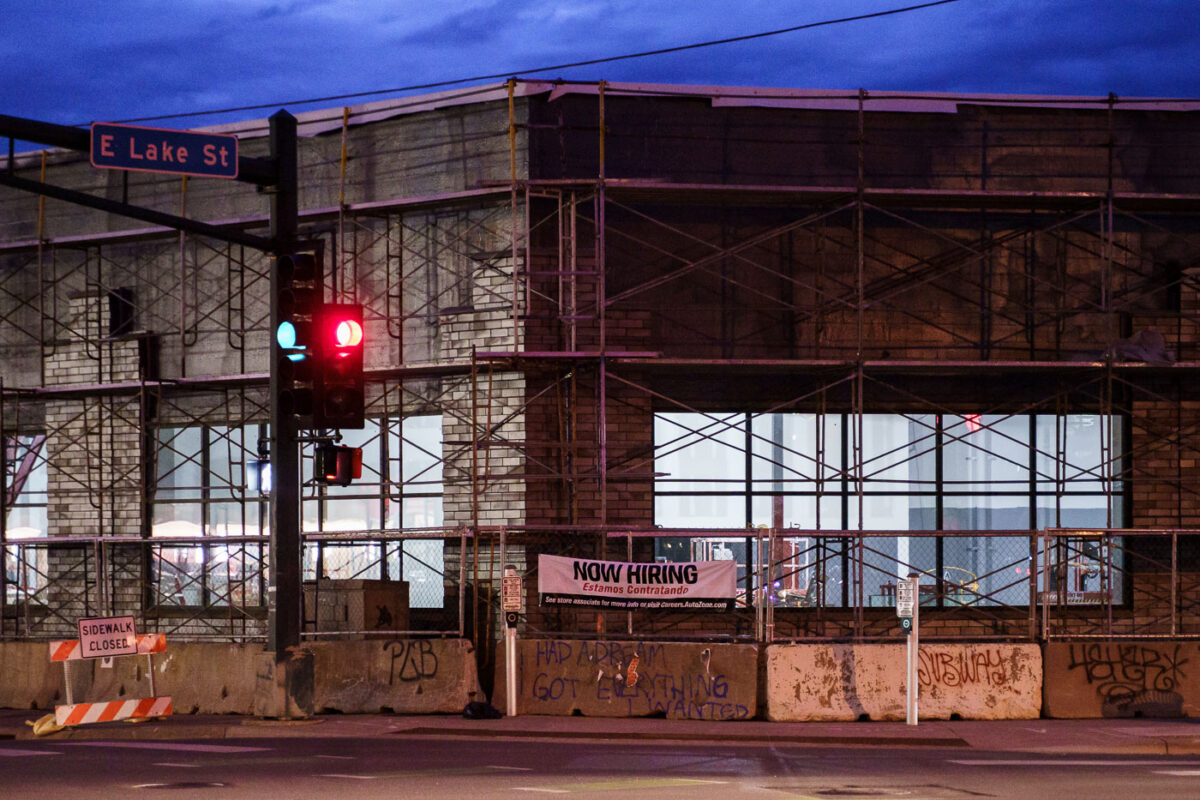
(689, 585)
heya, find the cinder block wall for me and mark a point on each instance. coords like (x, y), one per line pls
(95, 454)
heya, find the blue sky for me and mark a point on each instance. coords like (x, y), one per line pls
(78, 62)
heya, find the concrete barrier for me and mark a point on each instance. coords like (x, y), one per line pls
(633, 679)
(1122, 679)
(406, 676)
(836, 682)
(199, 678)
(27, 678)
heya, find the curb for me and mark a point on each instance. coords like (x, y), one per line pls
(666, 736)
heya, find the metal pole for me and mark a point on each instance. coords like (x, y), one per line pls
(283, 590)
(510, 655)
(913, 644)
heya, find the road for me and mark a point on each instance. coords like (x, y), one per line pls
(486, 767)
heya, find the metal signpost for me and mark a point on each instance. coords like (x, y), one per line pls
(510, 599)
(908, 610)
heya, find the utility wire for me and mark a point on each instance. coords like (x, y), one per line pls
(536, 70)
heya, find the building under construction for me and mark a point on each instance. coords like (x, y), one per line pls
(836, 337)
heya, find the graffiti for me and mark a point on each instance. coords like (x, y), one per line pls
(962, 668)
(383, 618)
(1119, 669)
(633, 675)
(1132, 679)
(604, 655)
(416, 660)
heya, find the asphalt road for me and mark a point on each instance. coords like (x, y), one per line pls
(481, 768)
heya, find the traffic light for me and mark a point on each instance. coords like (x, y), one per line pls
(338, 385)
(336, 464)
(298, 298)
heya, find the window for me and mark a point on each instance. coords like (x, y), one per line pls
(201, 492)
(916, 472)
(25, 487)
(25, 484)
(400, 491)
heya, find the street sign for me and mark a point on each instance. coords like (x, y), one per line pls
(102, 637)
(161, 150)
(510, 593)
(905, 597)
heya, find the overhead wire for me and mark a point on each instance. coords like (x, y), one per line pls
(569, 65)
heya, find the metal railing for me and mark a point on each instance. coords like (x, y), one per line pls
(216, 587)
(796, 584)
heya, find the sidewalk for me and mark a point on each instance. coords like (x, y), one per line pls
(1126, 737)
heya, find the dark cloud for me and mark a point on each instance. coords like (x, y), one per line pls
(81, 61)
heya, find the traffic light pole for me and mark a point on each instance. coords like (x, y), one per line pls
(283, 589)
(284, 687)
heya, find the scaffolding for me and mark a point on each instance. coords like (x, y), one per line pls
(644, 249)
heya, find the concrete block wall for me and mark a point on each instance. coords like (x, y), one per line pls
(94, 445)
(491, 413)
(95, 463)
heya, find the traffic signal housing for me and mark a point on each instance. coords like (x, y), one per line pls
(339, 394)
(337, 465)
(297, 300)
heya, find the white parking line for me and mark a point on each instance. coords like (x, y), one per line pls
(547, 791)
(4, 751)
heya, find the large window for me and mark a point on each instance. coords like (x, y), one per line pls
(400, 491)
(201, 491)
(920, 473)
(204, 489)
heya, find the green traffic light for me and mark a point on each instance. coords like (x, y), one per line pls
(285, 335)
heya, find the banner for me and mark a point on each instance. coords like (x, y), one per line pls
(685, 586)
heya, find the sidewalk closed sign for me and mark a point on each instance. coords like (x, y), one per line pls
(101, 637)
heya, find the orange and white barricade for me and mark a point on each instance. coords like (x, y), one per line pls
(109, 638)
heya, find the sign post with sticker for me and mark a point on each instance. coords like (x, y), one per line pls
(908, 592)
(511, 590)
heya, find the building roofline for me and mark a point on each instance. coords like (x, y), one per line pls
(319, 121)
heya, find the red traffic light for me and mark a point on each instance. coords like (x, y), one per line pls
(347, 333)
(338, 339)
